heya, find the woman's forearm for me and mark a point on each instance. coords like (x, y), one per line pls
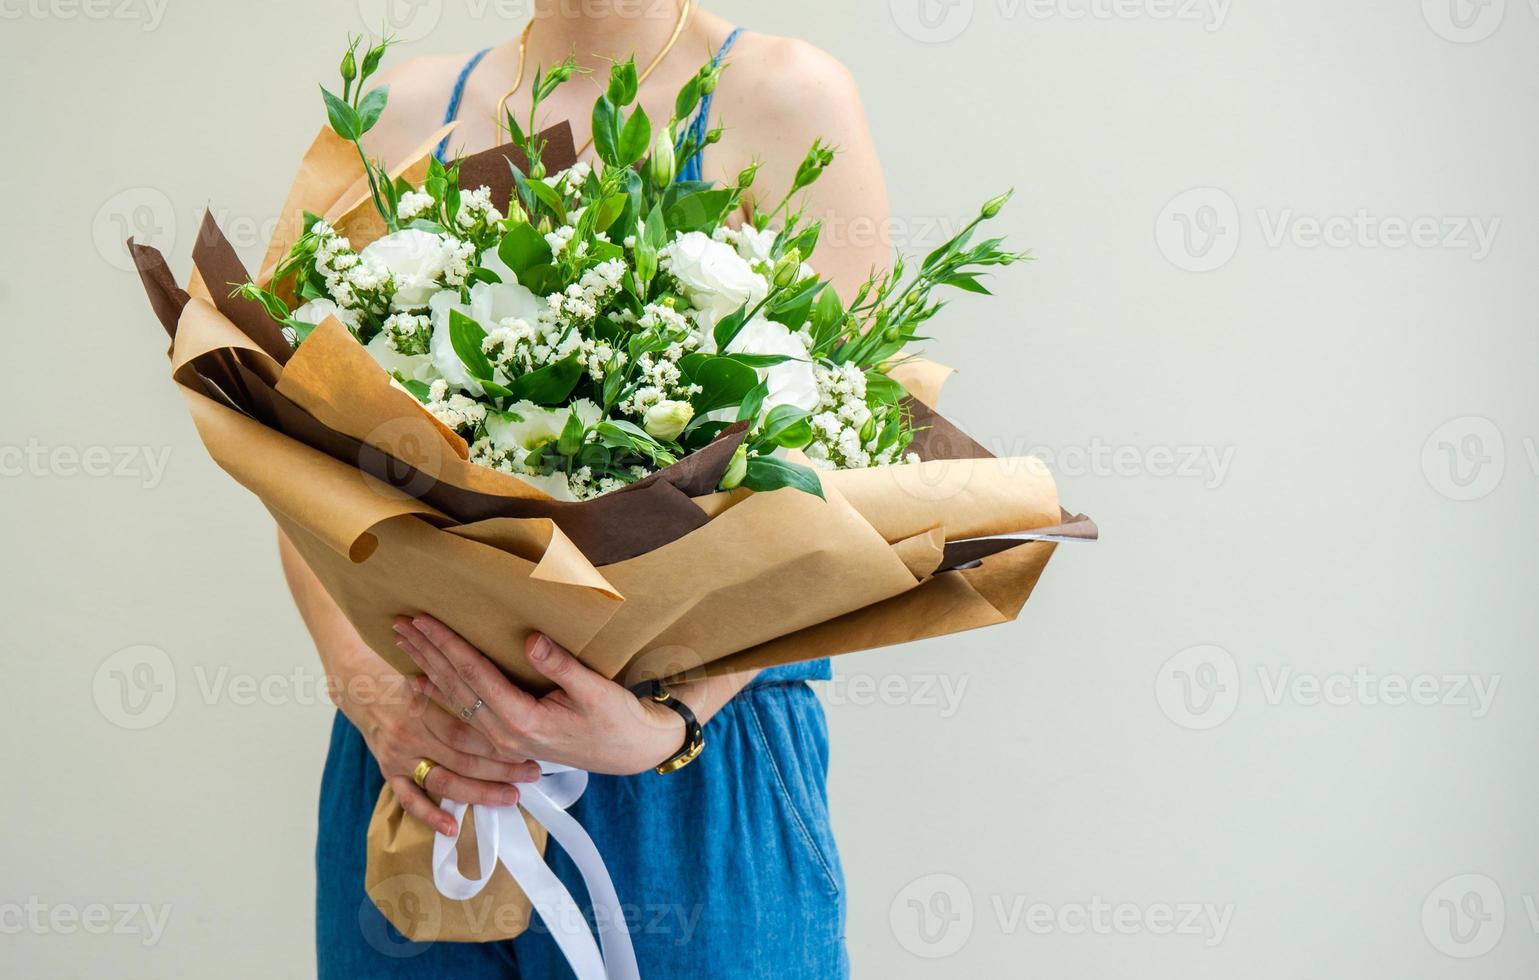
(343, 653)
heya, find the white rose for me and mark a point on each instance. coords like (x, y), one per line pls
(715, 277)
(791, 382)
(666, 420)
(490, 304)
(416, 260)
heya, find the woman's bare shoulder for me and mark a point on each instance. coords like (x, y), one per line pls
(788, 92)
(419, 95)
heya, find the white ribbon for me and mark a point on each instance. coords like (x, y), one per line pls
(502, 835)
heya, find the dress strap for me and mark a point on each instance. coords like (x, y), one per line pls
(456, 97)
(701, 124)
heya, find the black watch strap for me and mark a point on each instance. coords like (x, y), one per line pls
(694, 736)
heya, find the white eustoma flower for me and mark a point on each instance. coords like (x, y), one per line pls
(715, 277)
(416, 260)
(666, 419)
(752, 244)
(490, 304)
(791, 382)
(317, 310)
(554, 485)
(537, 426)
(416, 367)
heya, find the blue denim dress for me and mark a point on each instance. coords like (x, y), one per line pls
(725, 869)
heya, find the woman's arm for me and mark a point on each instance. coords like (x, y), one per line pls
(400, 724)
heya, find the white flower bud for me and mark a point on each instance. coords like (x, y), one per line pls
(666, 420)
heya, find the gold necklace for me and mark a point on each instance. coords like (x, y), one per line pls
(686, 7)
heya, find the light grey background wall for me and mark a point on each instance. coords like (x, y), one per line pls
(1279, 341)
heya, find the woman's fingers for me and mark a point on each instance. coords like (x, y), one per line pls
(468, 669)
(569, 673)
(454, 736)
(416, 804)
(456, 695)
(441, 781)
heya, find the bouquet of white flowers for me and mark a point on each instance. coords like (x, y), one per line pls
(593, 326)
(521, 394)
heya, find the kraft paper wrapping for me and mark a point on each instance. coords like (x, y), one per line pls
(664, 579)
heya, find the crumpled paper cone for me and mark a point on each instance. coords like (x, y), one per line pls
(664, 579)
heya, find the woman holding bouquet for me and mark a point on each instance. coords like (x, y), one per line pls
(726, 866)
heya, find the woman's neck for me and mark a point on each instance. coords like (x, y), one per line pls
(598, 32)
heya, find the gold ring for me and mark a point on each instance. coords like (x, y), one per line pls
(420, 774)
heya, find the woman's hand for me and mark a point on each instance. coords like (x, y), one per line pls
(404, 727)
(589, 722)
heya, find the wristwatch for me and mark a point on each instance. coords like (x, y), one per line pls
(694, 737)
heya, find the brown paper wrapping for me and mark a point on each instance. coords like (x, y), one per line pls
(666, 578)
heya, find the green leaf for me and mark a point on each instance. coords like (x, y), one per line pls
(547, 195)
(606, 131)
(609, 211)
(419, 389)
(729, 326)
(788, 426)
(967, 281)
(344, 118)
(766, 473)
(763, 360)
(753, 402)
(370, 108)
(700, 210)
(550, 385)
(882, 390)
(635, 138)
(467, 337)
(523, 248)
(723, 382)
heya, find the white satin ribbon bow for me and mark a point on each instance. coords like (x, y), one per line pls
(502, 835)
